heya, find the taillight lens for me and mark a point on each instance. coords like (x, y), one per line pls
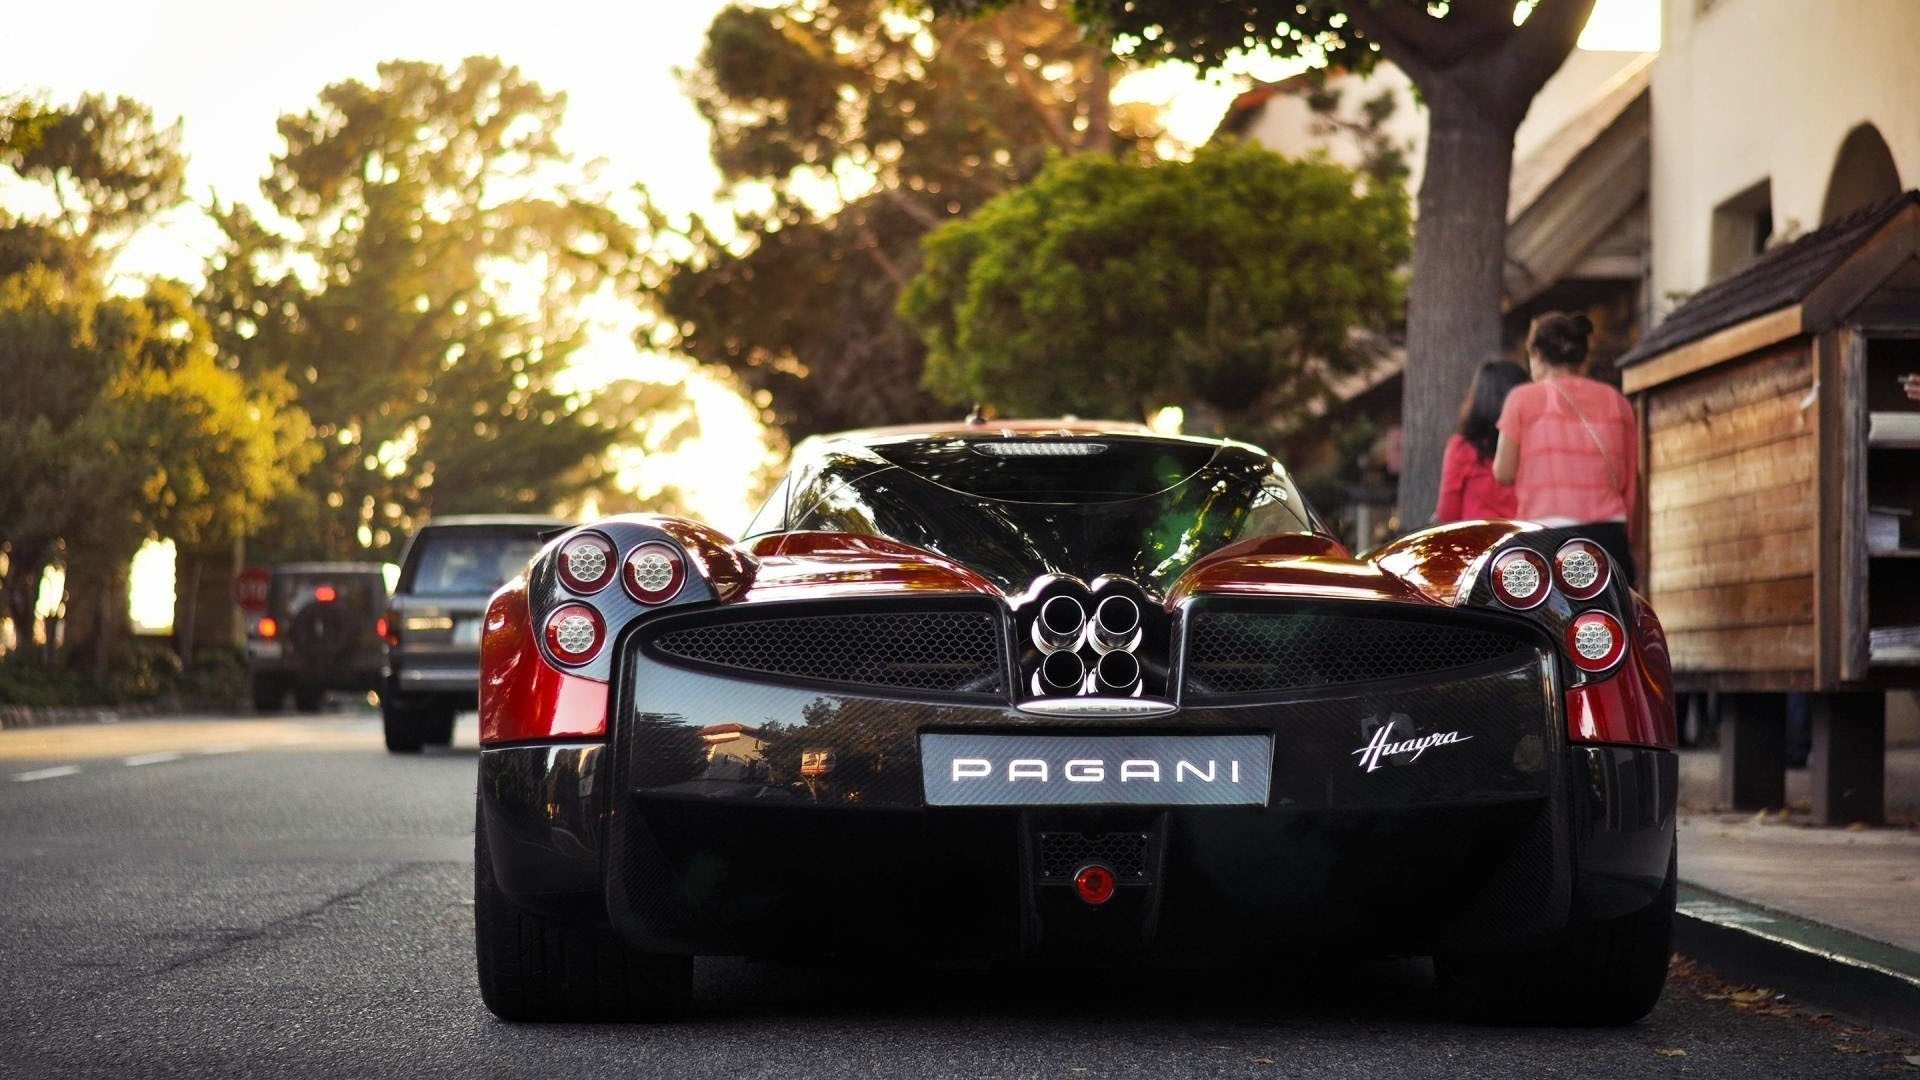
(654, 572)
(268, 627)
(586, 563)
(1520, 579)
(388, 627)
(1581, 569)
(575, 633)
(326, 594)
(1595, 641)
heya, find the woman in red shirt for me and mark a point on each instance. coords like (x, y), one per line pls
(1468, 490)
(1570, 445)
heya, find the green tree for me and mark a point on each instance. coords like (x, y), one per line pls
(1234, 280)
(107, 166)
(1477, 72)
(419, 282)
(845, 130)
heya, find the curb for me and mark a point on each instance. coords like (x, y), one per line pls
(13, 717)
(1864, 979)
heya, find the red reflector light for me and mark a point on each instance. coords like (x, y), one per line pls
(326, 594)
(1520, 579)
(586, 562)
(380, 627)
(269, 628)
(654, 572)
(1595, 641)
(575, 633)
(1581, 569)
(1094, 883)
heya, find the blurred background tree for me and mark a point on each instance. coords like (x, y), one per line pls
(845, 130)
(420, 284)
(117, 425)
(1235, 282)
(1477, 65)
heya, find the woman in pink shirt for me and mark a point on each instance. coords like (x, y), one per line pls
(1468, 490)
(1569, 445)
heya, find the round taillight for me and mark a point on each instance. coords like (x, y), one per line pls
(575, 633)
(586, 563)
(1094, 883)
(1581, 569)
(654, 572)
(1595, 641)
(1520, 579)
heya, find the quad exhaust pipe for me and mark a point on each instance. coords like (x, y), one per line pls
(1061, 625)
(1116, 625)
(1115, 674)
(1060, 673)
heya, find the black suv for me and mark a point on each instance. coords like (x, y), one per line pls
(451, 568)
(316, 634)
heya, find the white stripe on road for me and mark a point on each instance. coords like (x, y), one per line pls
(225, 748)
(161, 757)
(47, 774)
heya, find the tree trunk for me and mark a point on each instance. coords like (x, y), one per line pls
(22, 589)
(205, 615)
(1454, 298)
(97, 612)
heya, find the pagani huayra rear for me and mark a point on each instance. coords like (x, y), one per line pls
(1070, 692)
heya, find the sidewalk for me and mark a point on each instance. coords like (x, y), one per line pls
(1831, 915)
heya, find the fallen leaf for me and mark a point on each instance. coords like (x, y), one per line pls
(1914, 1060)
(1670, 1051)
(1261, 1061)
(1843, 1048)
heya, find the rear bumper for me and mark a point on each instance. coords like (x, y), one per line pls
(1510, 837)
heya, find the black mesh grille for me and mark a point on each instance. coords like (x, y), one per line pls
(1243, 652)
(1061, 853)
(954, 651)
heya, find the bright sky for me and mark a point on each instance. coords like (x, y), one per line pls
(231, 68)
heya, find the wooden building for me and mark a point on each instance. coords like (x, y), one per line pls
(1781, 472)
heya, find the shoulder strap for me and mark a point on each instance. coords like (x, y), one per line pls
(1612, 473)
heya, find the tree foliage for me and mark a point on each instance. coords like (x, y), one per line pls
(420, 282)
(844, 131)
(1477, 71)
(1234, 280)
(117, 424)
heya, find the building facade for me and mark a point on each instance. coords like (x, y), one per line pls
(1771, 119)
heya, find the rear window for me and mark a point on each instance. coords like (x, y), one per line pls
(360, 592)
(462, 562)
(1051, 470)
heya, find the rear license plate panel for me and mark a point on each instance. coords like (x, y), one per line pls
(960, 769)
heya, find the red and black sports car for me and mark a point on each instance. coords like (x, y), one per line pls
(1070, 691)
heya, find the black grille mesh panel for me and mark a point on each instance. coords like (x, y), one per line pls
(1243, 652)
(953, 651)
(1061, 853)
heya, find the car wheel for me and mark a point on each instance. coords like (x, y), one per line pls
(269, 694)
(402, 725)
(1608, 974)
(533, 968)
(308, 698)
(437, 725)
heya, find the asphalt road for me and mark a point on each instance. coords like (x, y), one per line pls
(281, 898)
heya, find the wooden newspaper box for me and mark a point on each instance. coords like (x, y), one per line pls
(1780, 529)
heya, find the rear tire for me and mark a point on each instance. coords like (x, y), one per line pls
(1605, 975)
(402, 725)
(437, 725)
(269, 693)
(536, 969)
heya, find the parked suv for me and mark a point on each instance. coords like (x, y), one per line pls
(432, 626)
(316, 634)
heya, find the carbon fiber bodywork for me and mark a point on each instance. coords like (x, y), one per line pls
(1471, 844)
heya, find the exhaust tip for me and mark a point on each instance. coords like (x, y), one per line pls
(1060, 673)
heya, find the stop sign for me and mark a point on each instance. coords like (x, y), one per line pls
(251, 587)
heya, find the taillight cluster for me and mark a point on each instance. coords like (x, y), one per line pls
(1523, 580)
(652, 572)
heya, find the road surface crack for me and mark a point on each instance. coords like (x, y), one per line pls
(278, 929)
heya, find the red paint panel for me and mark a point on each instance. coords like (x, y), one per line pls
(1284, 575)
(522, 697)
(1633, 706)
(1437, 561)
(830, 565)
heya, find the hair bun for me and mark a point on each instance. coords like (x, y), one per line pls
(1583, 324)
